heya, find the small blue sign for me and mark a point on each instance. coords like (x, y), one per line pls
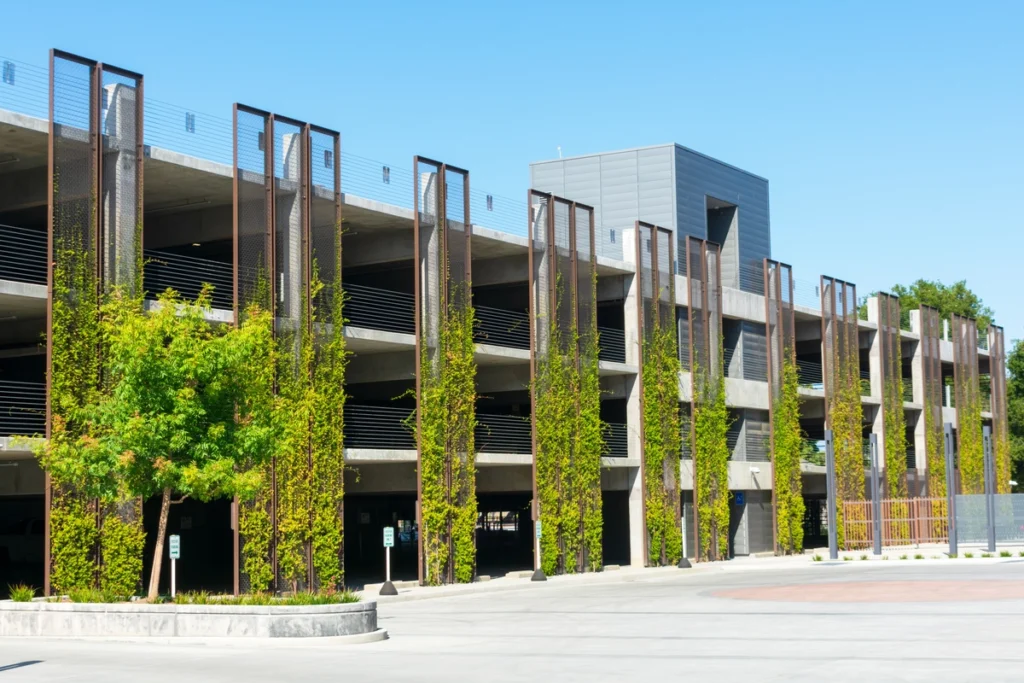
(740, 498)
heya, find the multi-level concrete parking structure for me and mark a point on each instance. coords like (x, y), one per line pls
(214, 199)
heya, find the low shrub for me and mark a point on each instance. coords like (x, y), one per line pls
(1005, 553)
(863, 557)
(986, 554)
(968, 555)
(817, 558)
(847, 558)
(903, 557)
(919, 556)
(21, 593)
(261, 599)
(92, 595)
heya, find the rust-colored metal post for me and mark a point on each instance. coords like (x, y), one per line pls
(50, 172)
(640, 378)
(418, 326)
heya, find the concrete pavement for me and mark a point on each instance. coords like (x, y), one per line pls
(941, 620)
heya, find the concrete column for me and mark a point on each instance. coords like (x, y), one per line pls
(917, 381)
(430, 262)
(289, 220)
(875, 369)
(120, 191)
(637, 524)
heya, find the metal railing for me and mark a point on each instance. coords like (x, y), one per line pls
(809, 374)
(503, 434)
(378, 427)
(502, 327)
(911, 458)
(611, 345)
(24, 255)
(380, 309)
(617, 440)
(22, 408)
(187, 275)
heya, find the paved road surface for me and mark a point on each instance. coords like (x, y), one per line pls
(931, 622)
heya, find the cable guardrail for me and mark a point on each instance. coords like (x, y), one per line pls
(611, 345)
(809, 374)
(187, 275)
(379, 309)
(24, 258)
(378, 427)
(22, 408)
(503, 434)
(502, 327)
(617, 440)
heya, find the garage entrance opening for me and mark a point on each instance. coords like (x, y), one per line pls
(504, 538)
(206, 545)
(21, 542)
(366, 515)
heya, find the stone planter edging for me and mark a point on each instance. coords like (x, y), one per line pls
(60, 619)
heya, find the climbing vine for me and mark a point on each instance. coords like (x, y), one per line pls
(662, 442)
(971, 455)
(447, 414)
(122, 542)
(788, 440)
(310, 460)
(895, 426)
(570, 441)
(711, 463)
(846, 414)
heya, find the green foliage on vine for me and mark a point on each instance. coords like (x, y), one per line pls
(570, 442)
(662, 443)
(972, 451)
(122, 541)
(256, 530)
(73, 536)
(711, 464)
(788, 441)
(846, 421)
(935, 453)
(447, 414)
(895, 425)
(310, 456)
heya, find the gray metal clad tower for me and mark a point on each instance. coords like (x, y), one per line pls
(672, 186)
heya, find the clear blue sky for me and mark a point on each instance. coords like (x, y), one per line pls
(887, 129)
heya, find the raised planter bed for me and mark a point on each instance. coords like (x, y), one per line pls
(59, 619)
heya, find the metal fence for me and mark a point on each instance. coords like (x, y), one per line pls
(502, 327)
(617, 440)
(22, 408)
(972, 519)
(612, 345)
(905, 522)
(378, 427)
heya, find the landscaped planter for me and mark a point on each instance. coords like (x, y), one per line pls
(47, 619)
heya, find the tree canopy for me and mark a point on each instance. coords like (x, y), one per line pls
(948, 299)
(186, 406)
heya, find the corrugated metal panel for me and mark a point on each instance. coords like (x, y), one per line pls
(756, 434)
(759, 521)
(755, 353)
(739, 535)
(548, 176)
(698, 177)
(734, 436)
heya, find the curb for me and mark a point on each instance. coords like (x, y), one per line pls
(260, 643)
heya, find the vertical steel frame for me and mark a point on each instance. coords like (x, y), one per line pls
(548, 255)
(891, 362)
(447, 246)
(838, 333)
(704, 278)
(1000, 407)
(931, 332)
(966, 384)
(61, 188)
(657, 294)
(261, 238)
(780, 335)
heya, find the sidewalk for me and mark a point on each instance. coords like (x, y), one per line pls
(520, 581)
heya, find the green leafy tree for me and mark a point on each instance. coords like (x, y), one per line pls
(187, 409)
(1015, 403)
(948, 299)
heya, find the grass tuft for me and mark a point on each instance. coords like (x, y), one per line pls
(816, 558)
(986, 554)
(19, 592)
(968, 555)
(918, 556)
(903, 557)
(863, 557)
(1005, 553)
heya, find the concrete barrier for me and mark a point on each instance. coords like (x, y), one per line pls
(59, 619)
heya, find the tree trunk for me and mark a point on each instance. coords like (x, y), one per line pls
(158, 552)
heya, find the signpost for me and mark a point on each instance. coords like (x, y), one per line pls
(538, 573)
(174, 550)
(876, 497)
(830, 486)
(947, 432)
(990, 488)
(389, 542)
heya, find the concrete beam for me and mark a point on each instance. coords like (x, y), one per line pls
(23, 189)
(501, 271)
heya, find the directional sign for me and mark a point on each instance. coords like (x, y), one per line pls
(389, 537)
(175, 547)
(538, 528)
